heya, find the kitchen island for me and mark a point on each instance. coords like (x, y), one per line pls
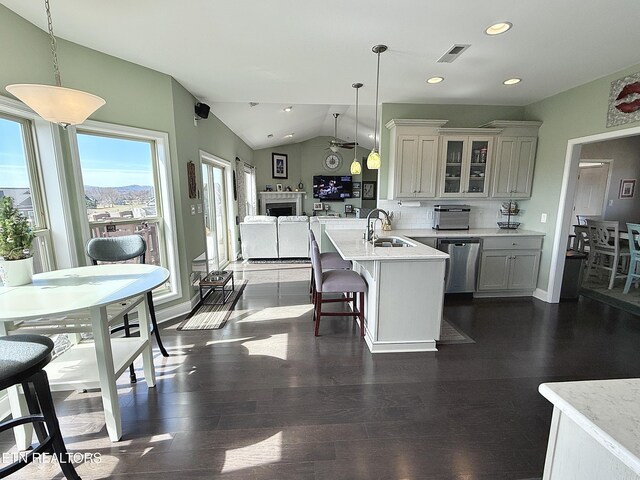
(405, 291)
(595, 430)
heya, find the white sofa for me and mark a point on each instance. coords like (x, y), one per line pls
(272, 237)
(259, 234)
(293, 237)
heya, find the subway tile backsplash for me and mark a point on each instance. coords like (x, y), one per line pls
(484, 214)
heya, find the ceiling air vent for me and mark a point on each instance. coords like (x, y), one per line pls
(454, 52)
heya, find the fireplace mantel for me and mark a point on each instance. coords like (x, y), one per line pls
(278, 197)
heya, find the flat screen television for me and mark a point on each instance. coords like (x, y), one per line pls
(332, 187)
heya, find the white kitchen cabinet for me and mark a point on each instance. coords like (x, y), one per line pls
(465, 165)
(512, 175)
(416, 166)
(513, 172)
(413, 159)
(509, 266)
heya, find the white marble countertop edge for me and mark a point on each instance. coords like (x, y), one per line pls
(602, 437)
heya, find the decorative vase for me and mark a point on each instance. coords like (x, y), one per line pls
(14, 273)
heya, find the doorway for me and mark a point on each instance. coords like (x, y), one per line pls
(215, 195)
(592, 190)
(565, 205)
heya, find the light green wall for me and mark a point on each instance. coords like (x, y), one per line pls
(305, 159)
(457, 116)
(576, 113)
(136, 96)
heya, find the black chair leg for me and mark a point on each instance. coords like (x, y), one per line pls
(156, 330)
(34, 409)
(43, 394)
(127, 333)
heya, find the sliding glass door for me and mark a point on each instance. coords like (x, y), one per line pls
(215, 195)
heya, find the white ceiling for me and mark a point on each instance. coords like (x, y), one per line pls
(307, 54)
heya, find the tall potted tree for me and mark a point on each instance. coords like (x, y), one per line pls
(16, 237)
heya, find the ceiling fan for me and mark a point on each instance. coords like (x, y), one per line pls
(336, 144)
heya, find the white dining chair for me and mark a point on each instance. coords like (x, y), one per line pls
(633, 230)
(605, 251)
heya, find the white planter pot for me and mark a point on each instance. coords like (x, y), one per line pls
(14, 273)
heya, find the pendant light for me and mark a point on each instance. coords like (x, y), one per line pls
(56, 104)
(356, 168)
(373, 160)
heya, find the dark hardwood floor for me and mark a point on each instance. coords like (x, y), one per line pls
(264, 399)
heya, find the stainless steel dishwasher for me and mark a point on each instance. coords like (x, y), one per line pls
(462, 266)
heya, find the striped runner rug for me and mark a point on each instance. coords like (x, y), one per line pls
(209, 316)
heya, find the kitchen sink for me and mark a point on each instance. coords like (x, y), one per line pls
(391, 242)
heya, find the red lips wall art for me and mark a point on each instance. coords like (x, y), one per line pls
(629, 92)
(624, 101)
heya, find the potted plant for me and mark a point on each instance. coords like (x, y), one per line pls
(16, 237)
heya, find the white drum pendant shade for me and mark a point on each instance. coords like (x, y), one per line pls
(64, 106)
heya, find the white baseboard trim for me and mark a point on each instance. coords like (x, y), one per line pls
(174, 311)
(541, 295)
(400, 346)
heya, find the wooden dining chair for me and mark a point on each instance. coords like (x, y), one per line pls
(633, 230)
(605, 251)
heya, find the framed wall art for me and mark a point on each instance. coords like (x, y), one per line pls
(368, 190)
(624, 104)
(279, 165)
(627, 188)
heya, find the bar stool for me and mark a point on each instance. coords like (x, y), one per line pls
(121, 249)
(22, 359)
(336, 281)
(330, 260)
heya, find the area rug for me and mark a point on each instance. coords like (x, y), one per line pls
(596, 290)
(209, 316)
(450, 335)
(279, 260)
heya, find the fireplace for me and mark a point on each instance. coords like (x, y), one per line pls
(279, 204)
(281, 209)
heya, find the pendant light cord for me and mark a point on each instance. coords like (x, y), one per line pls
(356, 139)
(375, 129)
(54, 52)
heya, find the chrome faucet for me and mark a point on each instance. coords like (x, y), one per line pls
(372, 226)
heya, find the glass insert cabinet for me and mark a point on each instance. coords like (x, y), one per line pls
(466, 162)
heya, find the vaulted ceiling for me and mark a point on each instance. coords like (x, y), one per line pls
(307, 54)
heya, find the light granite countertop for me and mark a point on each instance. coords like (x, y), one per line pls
(352, 246)
(608, 410)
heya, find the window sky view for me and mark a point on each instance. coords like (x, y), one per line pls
(114, 162)
(13, 165)
(106, 162)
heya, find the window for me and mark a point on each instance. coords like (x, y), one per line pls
(250, 189)
(19, 180)
(126, 189)
(120, 189)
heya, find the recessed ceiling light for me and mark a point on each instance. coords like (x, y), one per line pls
(498, 28)
(288, 109)
(512, 81)
(435, 80)
(289, 136)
